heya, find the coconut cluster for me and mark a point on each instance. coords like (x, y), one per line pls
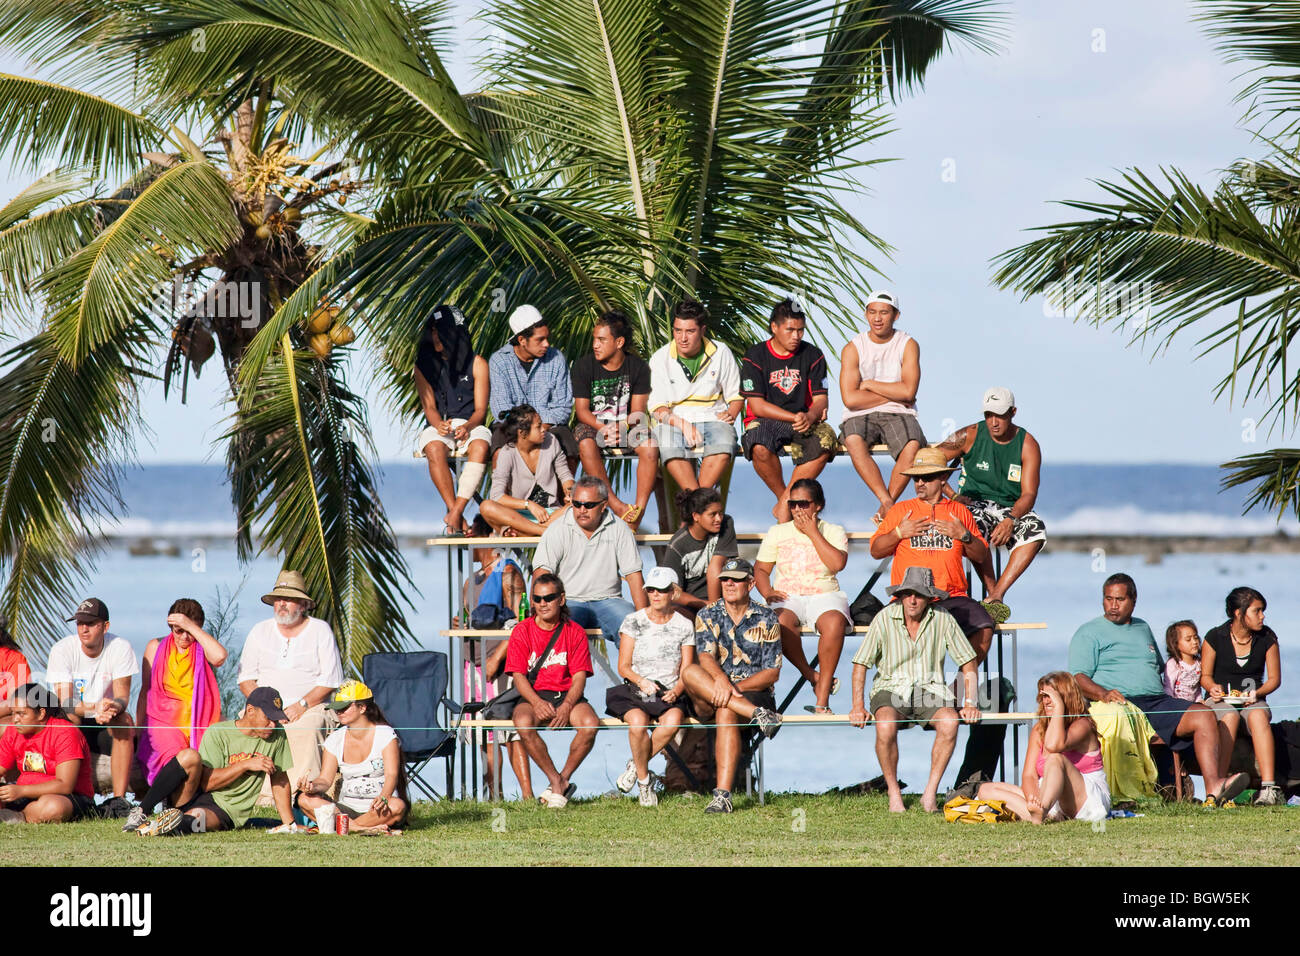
(324, 331)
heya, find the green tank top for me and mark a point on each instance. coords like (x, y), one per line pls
(992, 471)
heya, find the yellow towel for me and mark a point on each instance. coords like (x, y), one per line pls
(1125, 749)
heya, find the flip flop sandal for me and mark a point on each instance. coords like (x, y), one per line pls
(835, 685)
(632, 514)
(815, 709)
(570, 790)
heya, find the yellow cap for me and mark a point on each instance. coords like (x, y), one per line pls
(350, 692)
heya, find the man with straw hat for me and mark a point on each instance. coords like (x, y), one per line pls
(906, 643)
(931, 532)
(297, 654)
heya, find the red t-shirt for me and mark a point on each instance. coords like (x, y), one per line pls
(569, 656)
(37, 756)
(14, 671)
(932, 549)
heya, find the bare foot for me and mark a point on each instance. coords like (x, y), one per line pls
(896, 804)
(928, 802)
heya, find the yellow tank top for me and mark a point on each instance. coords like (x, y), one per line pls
(178, 681)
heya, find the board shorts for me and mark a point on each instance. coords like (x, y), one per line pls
(775, 436)
(1095, 807)
(809, 607)
(83, 807)
(205, 801)
(1222, 708)
(884, 428)
(716, 438)
(971, 615)
(623, 698)
(919, 706)
(454, 448)
(1026, 529)
(555, 698)
(1164, 714)
(633, 432)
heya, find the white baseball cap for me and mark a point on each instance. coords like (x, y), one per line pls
(524, 317)
(999, 400)
(885, 296)
(661, 577)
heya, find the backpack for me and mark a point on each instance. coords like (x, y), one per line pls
(965, 810)
(491, 612)
(865, 607)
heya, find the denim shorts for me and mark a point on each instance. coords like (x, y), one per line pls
(717, 438)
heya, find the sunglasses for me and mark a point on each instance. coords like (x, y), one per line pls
(587, 505)
(734, 580)
(546, 598)
(651, 590)
(800, 503)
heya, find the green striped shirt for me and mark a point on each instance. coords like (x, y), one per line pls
(904, 663)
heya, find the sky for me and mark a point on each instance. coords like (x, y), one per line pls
(1079, 92)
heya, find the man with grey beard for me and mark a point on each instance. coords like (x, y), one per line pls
(297, 654)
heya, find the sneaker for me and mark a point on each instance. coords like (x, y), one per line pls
(135, 820)
(161, 825)
(553, 800)
(769, 722)
(1270, 796)
(626, 780)
(721, 802)
(996, 610)
(648, 797)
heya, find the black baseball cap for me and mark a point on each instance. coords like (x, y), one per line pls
(737, 568)
(89, 611)
(268, 701)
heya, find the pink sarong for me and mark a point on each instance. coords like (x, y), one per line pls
(163, 740)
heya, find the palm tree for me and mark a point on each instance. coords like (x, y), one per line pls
(625, 153)
(1164, 254)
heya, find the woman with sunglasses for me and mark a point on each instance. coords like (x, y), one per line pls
(656, 645)
(804, 554)
(700, 547)
(1064, 778)
(530, 479)
(365, 750)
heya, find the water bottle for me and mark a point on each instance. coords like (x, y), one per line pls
(523, 606)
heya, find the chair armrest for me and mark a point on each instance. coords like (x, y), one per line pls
(473, 707)
(451, 706)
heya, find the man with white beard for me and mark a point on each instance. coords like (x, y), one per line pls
(296, 654)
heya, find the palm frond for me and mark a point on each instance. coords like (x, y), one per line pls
(63, 434)
(1267, 35)
(1162, 257)
(43, 122)
(1275, 475)
(107, 284)
(300, 479)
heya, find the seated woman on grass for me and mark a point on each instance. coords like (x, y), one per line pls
(531, 479)
(365, 750)
(179, 697)
(656, 645)
(1240, 666)
(1064, 778)
(806, 553)
(700, 547)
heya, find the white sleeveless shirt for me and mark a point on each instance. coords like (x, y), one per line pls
(881, 362)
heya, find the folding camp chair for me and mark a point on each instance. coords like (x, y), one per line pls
(409, 689)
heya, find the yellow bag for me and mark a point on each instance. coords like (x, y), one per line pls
(965, 810)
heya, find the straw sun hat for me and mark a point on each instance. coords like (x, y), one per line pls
(289, 585)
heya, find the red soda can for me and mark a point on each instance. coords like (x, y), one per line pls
(341, 824)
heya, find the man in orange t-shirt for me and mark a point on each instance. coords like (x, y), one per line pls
(931, 532)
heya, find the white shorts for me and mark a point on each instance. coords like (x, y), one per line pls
(1095, 807)
(808, 607)
(457, 449)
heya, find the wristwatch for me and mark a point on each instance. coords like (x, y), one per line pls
(302, 701)
(966, 537)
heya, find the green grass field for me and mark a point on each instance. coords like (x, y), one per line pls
(792, 829)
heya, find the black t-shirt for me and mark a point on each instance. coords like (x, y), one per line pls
(690, 558)
(1230, 675)
(787, 381)
(610, 393)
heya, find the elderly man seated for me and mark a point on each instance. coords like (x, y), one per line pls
(906, 643)
(296, 653)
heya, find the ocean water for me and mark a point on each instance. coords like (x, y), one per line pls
(189, 505)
